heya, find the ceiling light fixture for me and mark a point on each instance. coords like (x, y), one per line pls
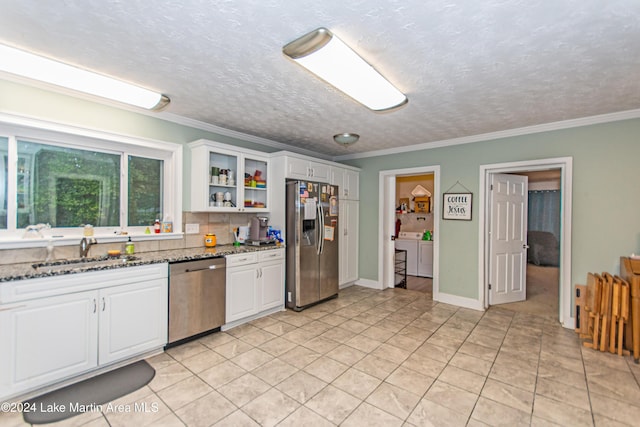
(346, 138)
(24, 64)
(328, 57)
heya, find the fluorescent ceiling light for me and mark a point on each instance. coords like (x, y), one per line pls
(36, 67)
(325, 55)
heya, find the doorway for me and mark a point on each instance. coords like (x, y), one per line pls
(562, 168)
(387, 225)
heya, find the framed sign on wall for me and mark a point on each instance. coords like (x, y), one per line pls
(457, 206)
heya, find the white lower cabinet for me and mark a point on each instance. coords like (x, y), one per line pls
(242, 291)
(425, 258)
(51, 338)
(133, 319)
(255, 285)
(46, 340)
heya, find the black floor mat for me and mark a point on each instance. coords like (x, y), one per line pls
(76, 398)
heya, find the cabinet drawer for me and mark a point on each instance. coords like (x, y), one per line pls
(271, 255)
(241, 259)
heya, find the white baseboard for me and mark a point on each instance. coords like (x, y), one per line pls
(459, 301)
(368, 283)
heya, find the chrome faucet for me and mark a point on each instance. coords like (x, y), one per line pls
(85, 244)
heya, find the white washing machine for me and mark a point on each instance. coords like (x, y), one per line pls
(408, 241)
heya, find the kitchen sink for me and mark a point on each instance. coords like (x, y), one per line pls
(81, 264)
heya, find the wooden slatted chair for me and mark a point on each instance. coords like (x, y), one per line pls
(605, 310)
(623, 317)
(592, 309)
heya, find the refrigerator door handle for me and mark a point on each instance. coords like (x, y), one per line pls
(318, 230)
(321, 228)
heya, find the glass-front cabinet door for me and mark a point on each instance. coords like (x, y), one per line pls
(223, 187)
(224, 180)
(255, 183)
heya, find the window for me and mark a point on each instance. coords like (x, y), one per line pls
(67, 187)
(67, 180)
(144, 190)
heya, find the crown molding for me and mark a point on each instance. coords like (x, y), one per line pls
(527, 130)
(185, 121)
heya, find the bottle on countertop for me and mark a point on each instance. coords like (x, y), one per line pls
(129, 248)
(156, 226)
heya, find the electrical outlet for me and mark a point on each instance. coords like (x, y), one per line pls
(192, 228)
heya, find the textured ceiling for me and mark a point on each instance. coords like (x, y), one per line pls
(467, 67)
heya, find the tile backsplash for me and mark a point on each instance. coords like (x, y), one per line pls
(220, 224)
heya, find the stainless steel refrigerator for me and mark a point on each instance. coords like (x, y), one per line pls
(311, 243)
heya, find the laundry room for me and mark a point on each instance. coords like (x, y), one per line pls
(414, 222)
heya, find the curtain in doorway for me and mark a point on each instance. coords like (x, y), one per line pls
(544, 211)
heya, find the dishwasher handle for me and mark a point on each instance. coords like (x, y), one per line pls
(211, 267)
(194, 266)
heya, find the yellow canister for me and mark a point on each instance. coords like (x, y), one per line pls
(209, 240)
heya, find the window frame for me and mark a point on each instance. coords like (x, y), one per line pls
(55, 134)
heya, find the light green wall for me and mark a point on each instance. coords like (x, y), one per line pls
(606, 199)
(54, 107)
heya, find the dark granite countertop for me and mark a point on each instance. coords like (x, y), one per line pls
(60, 267)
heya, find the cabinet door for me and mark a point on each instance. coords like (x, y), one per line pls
(242, 292)
(351, 185)
(47, 340)
(320, 172)
(425, 259)
(337, 178)
(272, 276)
(348, 215)
(297, 168)
(255, 189)
(133, 319)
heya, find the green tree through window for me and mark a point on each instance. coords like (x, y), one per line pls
(145, 190)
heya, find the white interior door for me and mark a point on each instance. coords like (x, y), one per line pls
(508, 239)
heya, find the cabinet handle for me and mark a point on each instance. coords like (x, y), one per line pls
(104, 304)
(95, 305)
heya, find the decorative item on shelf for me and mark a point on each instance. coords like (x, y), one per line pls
(422, 204)
(157, 226)
(167, 224)
(404, 205)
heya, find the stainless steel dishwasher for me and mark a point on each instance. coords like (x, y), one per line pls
(196, 298)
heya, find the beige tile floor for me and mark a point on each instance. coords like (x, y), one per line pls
(385, 358)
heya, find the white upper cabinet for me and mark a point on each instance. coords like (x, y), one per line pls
(348, 181)
(228, 180)
(303, 168)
